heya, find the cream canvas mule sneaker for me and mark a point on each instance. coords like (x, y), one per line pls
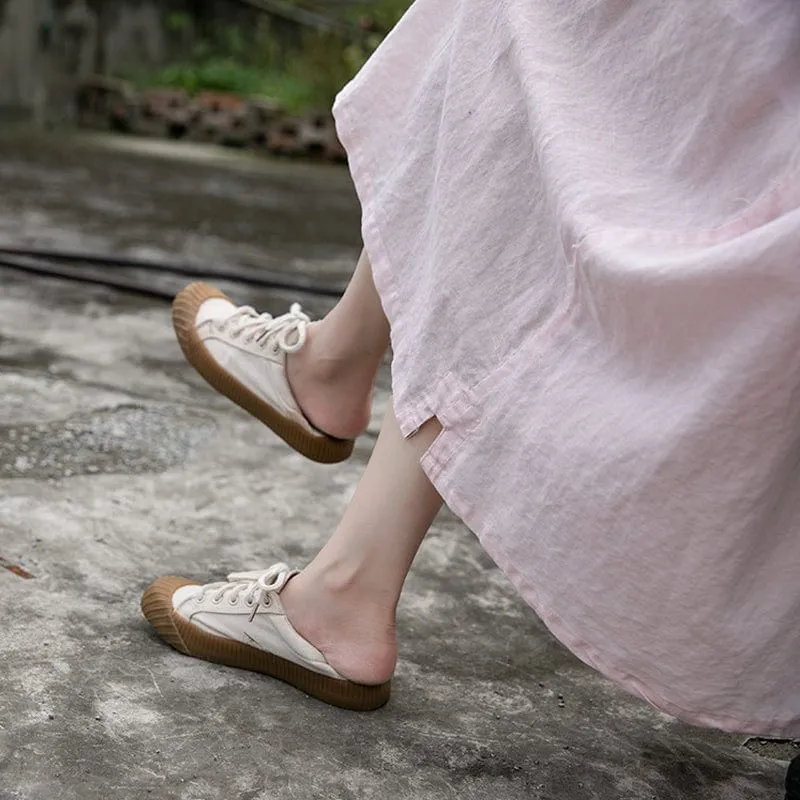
(241, 623)
(242, 354)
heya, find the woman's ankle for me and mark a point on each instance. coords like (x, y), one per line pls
(357, 637)
(334, 392)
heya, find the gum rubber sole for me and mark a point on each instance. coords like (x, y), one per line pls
(193, 641)
(322, 449)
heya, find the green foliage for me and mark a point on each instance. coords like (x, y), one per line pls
(253, 63)
(177, 22)
(213, 74)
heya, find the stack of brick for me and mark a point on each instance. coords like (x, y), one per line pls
(165, 113)
(215, 117)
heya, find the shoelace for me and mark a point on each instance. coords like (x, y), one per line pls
(248, 586)
(287, 332)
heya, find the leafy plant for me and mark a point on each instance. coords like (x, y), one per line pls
(178, 21)
(254, 63)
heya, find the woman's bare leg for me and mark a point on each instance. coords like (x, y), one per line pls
(345, 601)
(333, 375)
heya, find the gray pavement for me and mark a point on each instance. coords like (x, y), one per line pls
(117, 465)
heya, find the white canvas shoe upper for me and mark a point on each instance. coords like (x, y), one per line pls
(248, 609)
(252, 347)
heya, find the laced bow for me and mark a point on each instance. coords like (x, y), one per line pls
(287, 332)
(252, 587)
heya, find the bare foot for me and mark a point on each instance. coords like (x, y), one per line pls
(357, 640)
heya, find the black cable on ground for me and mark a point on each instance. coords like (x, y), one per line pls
(46, 262)
(44, 269)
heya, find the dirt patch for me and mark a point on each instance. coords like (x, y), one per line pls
(778, 749)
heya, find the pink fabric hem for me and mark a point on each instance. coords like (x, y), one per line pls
(458, 410)
(586, 651)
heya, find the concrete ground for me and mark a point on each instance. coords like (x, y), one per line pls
(117, 465)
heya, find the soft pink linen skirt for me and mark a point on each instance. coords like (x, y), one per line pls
(584, 223)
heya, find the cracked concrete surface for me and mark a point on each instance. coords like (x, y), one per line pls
(117, 464)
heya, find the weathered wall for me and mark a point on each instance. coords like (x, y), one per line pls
(46, 44)
(136, 37)
(22, 62)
